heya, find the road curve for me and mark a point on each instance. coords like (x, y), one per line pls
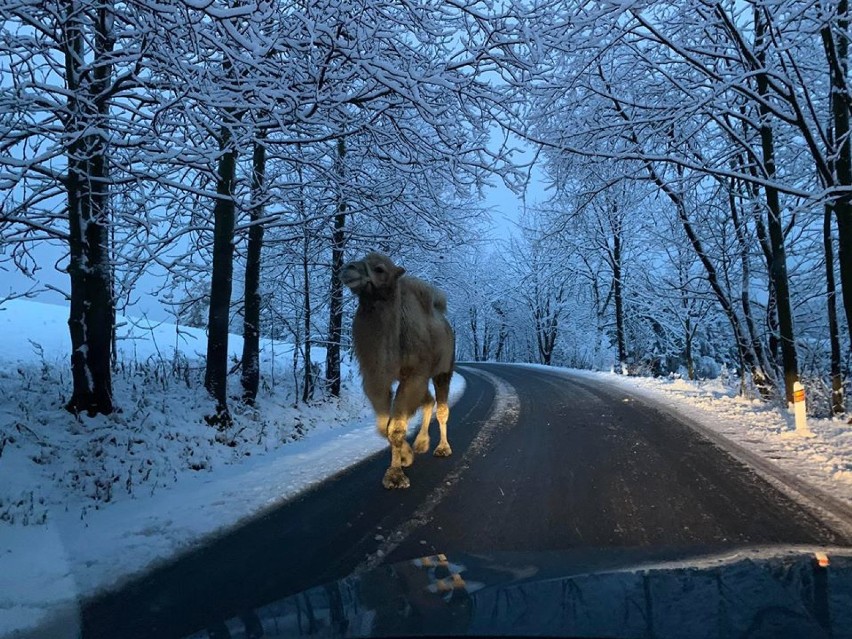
(586, 466)
(572, 465)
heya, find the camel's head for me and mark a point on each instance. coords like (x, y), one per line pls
(374, 276)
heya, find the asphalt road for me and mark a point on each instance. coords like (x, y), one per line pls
(571, 464)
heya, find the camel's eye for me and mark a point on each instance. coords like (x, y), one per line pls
(379, 269)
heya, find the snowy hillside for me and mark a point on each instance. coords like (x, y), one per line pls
(50, 458)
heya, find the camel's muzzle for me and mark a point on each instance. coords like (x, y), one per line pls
(353, 277)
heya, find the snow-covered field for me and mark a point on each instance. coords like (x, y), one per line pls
(86, 504)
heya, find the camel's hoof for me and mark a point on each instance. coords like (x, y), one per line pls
(421, 445)
(443, 450)
(406, 457)
(395, 478)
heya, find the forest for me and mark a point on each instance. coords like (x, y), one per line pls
(688, 167)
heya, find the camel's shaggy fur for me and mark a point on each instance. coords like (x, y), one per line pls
(401, 334)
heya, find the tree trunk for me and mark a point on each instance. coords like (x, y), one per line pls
(837, 52)
(687, 350)
(308, 377)
(837, 406)
(113, 337)
(547, 325)
(838, 107)
(251, 324)
(308, 386)
(745, 261)
(486, 342)
(335, 322)
(540, 315)
(780, 284)
(474, 332)
(771, 358)
(772, 325)
(688, 330)
(501, 342)
(216, 375)
(778, 268)
(502, 334)
(92, 314)
(600, 308)
(619, 299)
(843, 215)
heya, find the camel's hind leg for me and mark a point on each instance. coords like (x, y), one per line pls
(421, 444)
(442, 392)
(408, 396)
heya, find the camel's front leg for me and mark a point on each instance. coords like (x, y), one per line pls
(379, 394)
(401, 454)
(394, 477)
(421, 444)
(408, 396)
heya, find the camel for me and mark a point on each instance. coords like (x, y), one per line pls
(401, 334)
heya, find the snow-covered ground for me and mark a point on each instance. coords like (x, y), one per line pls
(823, 461)
(86, 504)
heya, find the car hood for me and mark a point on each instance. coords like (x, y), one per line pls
(800, 591)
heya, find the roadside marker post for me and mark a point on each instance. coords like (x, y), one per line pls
(800, 411)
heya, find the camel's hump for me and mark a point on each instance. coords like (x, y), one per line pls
(429, 296)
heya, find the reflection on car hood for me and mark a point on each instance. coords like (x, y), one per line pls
(746, 592)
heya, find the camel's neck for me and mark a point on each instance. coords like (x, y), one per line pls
(381, 317)
(376, 329)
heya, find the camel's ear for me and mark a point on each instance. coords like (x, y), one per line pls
(399, 271)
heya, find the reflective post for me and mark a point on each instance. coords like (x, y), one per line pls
(800, 412)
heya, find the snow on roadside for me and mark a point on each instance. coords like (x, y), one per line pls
(85, 505)
(48, 458)
(824, 461)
